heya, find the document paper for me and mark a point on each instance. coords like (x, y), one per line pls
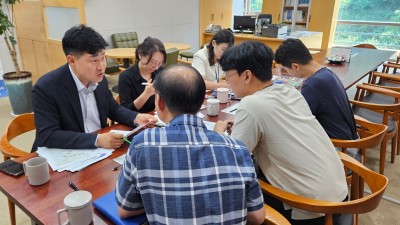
(72, 159)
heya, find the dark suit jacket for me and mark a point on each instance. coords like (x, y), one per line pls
(58, 114)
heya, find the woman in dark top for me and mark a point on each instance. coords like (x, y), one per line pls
(133, 94)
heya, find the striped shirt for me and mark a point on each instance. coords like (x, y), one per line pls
(187, 174)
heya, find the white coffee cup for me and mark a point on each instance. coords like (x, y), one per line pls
(78, 206)
(37, 170)
(222, 94)
(212, 106)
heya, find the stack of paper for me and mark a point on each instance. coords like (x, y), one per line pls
(231, 109)
(72, 159)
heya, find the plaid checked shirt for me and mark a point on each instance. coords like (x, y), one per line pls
(187, 174)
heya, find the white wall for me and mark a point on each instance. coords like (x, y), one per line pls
(167, 20)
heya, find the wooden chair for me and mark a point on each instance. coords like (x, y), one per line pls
(365, 45)
(273, 217)
(371, 135)
(376, 182)
(19, 125)
(367, 104)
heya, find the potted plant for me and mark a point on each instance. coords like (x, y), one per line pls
(18, 83)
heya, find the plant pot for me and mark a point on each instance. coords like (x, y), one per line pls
(19, 88)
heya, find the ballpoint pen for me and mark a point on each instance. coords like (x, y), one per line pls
(117, 167)
(72, 185)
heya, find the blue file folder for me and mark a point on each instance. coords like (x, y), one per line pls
(107, 205)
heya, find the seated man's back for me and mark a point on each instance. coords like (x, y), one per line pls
(185, 173)
(276, 124)
(290, 146)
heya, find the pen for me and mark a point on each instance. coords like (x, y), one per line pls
(117, 167)
(126, 140)
(233, 110)
(72, 185)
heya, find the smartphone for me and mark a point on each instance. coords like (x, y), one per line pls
(12, 168)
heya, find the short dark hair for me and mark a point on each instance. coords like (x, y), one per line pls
(82, 39)
(182, 89)
(249, 55)
(150, 46)
(222, 36)
(292, 51)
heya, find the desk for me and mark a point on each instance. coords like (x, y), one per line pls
(310, 39)
(130, 53)
(40, 203)
(361, 63)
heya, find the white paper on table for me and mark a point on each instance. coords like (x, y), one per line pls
(231, 109)
(199, 114)
(209, 125)
(120, 159)
(72, 159)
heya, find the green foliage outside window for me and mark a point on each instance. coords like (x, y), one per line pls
(255, 5)
(382, 36)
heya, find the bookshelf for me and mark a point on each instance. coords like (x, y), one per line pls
(296, 13)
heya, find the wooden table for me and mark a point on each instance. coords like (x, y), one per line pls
(40, 203)
(361, 63)
(130, 53)
(312, 40)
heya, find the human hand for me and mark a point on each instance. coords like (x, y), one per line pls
(222, 126)
(144, 118)
(110, 140)
(149, 89)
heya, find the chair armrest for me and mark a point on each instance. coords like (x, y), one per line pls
(387, 76)
(392, 65)
(273, 217)
(379, 90)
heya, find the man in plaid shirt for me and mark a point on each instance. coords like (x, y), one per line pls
(185, 173)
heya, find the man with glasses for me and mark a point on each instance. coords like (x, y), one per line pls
(72, 102)
(276, 125)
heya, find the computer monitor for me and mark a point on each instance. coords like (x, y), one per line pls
(264, 19)
(244, 23)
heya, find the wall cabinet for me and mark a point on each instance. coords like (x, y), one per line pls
(217, 12)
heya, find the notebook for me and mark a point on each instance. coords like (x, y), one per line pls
(107, 205)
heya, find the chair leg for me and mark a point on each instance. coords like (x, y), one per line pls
(11, 208)
(382, 156)
(394, 147)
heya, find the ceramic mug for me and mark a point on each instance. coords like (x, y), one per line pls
(212, 106)
(222, 95)
(37, 170)
(78, 206)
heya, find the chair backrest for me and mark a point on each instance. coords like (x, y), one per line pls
(172, 56)
(371, 135)
(125, 40)
(376, 182)
(17, 126)
(365, 46)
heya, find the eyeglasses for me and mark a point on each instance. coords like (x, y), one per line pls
(154, 63)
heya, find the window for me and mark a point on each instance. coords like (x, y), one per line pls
(252, 7)
(375, 22)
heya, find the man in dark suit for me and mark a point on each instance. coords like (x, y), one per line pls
(73, 101)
